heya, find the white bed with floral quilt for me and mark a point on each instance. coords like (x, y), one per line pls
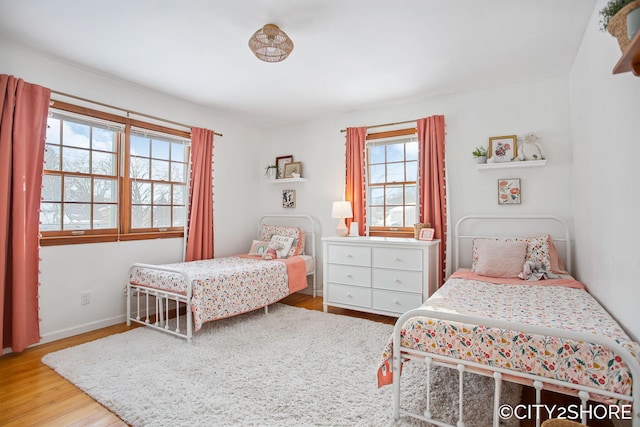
(542, 329)
(276, 265)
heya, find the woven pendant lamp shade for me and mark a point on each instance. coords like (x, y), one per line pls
(270, 44)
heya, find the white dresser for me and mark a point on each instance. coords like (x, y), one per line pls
(380, 275)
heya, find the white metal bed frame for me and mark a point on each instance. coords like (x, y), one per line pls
(402, 354)
(161, 302)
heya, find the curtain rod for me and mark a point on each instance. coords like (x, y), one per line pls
(125, 110)
(386, 124)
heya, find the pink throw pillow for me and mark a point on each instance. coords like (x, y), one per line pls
(498, 258)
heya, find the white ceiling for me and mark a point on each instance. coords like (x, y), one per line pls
(348, 54)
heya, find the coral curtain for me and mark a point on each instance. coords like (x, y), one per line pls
(200, 235)
(354, 183)
(431, 184)
(23, 120)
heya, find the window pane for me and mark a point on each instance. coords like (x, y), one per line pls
(139, 146)
(105, 190)
(410, 216)
(410, 195)
(159, 149)
(377, 216)
(75, 160)
(376, 195)
(395, 216)
(52, 157)
(178, 172)
(376, 174)
(103, 163)
(395, 172)
(395, 152)
(77, 189)
(394, 194)
(412, 171)
(178, 152)
(50, 217)
(105, 216)
(104, 139)
(53, 131)
(178, 216)
(77, 216)
(376, 154)
(162, 216)
(141, 216)
(179, 194)
(139, 168)
(75, 134)
(52, 188)
(140, 193)
(412, 150)
(160, 170)
(161, 194)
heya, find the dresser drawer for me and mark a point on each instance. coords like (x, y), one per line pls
(403, 259)
(349, 275)
(351, 295)
(350, 255)
(397, 280)
(395, 302)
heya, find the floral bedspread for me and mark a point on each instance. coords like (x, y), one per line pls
(222, 287)
(550, 306)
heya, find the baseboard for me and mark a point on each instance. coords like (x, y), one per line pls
(81, 329)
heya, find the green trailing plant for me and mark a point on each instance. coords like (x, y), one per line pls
(610, 10)
(268, 168)
(479, 152)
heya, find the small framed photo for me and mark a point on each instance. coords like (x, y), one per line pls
(509, 191)
(426, 234)
(502, 148)
(293, 170)
(288, 198)
(280, 163)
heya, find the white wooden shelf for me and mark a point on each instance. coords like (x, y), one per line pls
(286, 180)
(516, 164)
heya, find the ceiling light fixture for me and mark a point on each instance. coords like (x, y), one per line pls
(270, 44)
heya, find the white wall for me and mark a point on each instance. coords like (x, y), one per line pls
(101, 269)
(605, 110)
(471, 118)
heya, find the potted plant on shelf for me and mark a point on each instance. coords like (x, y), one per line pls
(621, 18)
(270, 171)
(480, 153)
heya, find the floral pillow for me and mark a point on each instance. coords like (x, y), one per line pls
(297, 248)
(278, 247)
(537, 249)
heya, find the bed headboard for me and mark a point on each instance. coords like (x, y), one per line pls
(488, 226)
(305, 222)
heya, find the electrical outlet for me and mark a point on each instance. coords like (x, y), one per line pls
(85, 298)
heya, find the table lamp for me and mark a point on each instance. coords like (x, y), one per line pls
(342, 210)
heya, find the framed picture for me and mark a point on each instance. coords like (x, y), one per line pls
(280, 162)
(502, 148)
(426, 234)
(292, 168)
(509, 191)
(288, 198)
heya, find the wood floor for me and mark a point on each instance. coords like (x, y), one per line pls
(32, 394)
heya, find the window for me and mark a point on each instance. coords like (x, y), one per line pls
(392, 175)
(106, 180)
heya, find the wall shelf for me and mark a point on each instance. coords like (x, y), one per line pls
(630, 60)
(516, 164)
(286, 180)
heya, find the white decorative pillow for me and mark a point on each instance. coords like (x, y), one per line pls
(278, 246)
(258, 247)
(297, 247)
(498, 258)
(537, 249)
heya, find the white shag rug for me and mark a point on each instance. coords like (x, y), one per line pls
(291, 367)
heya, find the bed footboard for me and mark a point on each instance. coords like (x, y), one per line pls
(143, 302)
(627, 410)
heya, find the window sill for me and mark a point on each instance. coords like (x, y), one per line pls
(102, 238)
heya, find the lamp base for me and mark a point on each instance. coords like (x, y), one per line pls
(341, 229)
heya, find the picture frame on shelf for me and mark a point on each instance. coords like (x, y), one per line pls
(292, 169)
(281, 161)
(509, 192)
(502, 148)
(426, 234)
(288, 198)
